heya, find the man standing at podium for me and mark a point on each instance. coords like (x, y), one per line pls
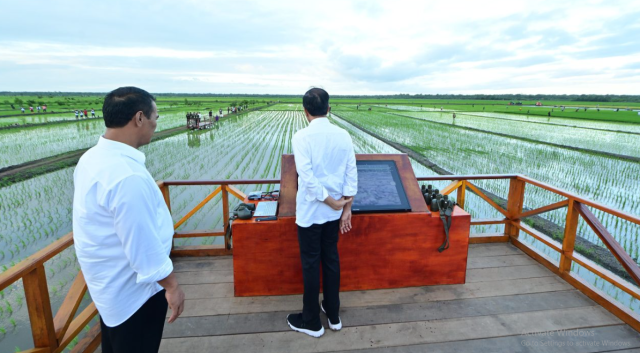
(327, 181)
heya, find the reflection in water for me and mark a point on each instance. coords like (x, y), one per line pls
(193, 140)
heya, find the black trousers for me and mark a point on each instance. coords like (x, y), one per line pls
(141, 332)
(319, 244)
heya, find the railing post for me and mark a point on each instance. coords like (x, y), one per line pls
(164, 189)
(515, 202)
(225, 213)
(569, 241)
(461, 193)
(39, 307)
(165, 194)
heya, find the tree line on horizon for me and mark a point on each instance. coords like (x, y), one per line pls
(488, 97)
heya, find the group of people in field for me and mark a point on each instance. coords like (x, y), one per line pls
(198, 116)
(37, 108)
(84, 113)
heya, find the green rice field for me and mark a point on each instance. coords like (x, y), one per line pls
(573, 153)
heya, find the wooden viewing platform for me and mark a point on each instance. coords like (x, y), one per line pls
(515, 298)
(507, 296)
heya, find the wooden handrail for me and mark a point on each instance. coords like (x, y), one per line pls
(52, 334)
(467, 177)
(221, 182)
(613, 211)
(616, 249)
(27, 265)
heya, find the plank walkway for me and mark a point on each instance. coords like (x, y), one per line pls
(510, 303)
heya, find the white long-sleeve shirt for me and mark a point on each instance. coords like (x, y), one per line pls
(122, 229)
(326, 166)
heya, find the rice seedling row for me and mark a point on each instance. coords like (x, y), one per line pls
(606, 141)
(22, 145)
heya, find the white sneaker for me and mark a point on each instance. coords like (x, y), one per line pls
(296, 324)
(335, 327)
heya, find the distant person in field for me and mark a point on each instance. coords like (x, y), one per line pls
(123, 231)
(85, 113)
(454, 116)
(38, 109)
(22, 109)
(217, 117)
(77, 113)
(12, 107)
(44, 108)
(210, 114)
(327, 181)
(220, 111)
(93, 113)
(31, 109)
(81, 114)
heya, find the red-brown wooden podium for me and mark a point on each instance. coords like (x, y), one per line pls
(383, 250)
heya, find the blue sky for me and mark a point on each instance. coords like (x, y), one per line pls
(347, 47)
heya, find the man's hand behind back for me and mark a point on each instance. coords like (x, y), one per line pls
(337, 204)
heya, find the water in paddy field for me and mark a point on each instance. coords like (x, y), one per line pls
(37, 211)
(463, 151)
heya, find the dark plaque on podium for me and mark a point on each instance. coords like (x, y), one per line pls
(380, 188)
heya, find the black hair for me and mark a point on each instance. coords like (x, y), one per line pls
(316, 102)
(121, 104)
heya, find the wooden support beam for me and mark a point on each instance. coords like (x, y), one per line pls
(90, 342)
(515, 202)
(462, 190)
(451, 187)
(236, 192)
(569, 240)
(485, 221)
(77, 325)
(69, 306)
(225, 214)
(39, 307)
(616, 249)
(165, 194)
(546, 240)
(544, 209)
(199, 233)
(486, 198)
(198, 207)
(607, 275)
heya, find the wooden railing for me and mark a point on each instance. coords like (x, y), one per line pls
(577, 207)
(53, 333)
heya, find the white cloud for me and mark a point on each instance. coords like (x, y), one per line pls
(352, 47)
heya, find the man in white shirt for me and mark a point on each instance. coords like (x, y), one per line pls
(123, 230)
(327, 181)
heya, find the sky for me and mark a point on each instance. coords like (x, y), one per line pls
(346, 47)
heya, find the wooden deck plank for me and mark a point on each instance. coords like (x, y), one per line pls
(500, 261)
(209, 290)
(513, 272)
(238, 305)
(202, 264)
(400, 334)
(493, 249)
(375, 315)
(221, 289)
(203, 277)
(531, 344)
